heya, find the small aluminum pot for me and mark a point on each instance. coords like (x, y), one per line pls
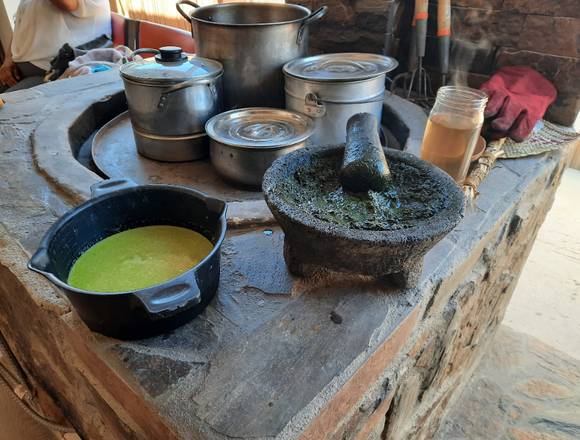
(332, 88)
(245, 142)
(170, 99)
(118, 205)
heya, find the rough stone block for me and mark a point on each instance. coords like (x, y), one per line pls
(340, 38)
(339, 11)
(557, 8)
(499, 28)
(376, 6)
(551, 35)
(480, 4)
(464, 55)
(371, 21)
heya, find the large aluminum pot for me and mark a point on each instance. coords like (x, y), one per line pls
(252, 41)
(170, 99)
(331, 88)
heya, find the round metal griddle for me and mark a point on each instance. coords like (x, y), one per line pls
(115, 155)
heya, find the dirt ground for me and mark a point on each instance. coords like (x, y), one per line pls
(546, 302)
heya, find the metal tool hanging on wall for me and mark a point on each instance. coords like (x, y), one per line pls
(389, 46)
(420, 74)
(416, 78)
(444, 37)
(415, 84)
(401, 83)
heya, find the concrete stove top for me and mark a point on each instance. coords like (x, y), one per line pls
(273, 356)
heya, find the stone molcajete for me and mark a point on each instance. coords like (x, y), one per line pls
(347, 209)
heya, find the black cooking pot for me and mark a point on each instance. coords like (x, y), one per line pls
(118, 205)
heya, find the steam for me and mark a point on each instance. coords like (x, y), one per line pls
(464, 50)
(462, 57)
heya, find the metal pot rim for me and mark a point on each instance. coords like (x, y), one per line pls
(381, 63)
(170, 82)
(241, 145)
(246, 25)
(334, 81)
(377, 97)
(256, 149)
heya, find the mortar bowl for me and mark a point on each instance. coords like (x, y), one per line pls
(394, 256)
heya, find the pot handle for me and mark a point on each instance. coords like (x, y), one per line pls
(181, 11)
(144, 50)
(184, 85)
(170, 297)
(40, 261)
(316, 15)
(314, 106)
(110, 185)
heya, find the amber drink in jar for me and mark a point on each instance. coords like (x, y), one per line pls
(453, 129)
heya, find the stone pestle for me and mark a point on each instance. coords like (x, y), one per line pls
(364, 166)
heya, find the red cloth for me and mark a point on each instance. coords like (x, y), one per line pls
(518, 98)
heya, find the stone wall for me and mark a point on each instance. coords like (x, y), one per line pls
(487, 34)
(455, 329)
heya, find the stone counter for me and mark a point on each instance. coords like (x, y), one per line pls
(273, 356)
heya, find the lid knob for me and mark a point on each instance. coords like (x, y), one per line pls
(169, 54)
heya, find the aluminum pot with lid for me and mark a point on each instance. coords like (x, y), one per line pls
(253, 41)
(331, 88)
(245, 142)
(170, 99)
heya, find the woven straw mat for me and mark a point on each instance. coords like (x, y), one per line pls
(549, 137)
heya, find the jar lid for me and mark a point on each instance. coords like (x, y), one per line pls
(340, 66)
(259, 128)
(169, 66)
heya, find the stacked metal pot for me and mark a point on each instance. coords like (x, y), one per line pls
(170, 99)
(333, 87)
(251, 61)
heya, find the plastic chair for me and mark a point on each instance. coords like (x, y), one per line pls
(137, 34)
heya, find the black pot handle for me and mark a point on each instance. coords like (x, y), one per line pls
(316, 15)
(40, 261)
(181, 11)
(110, 185)
(172, 296)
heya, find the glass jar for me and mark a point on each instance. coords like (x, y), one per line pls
(453, 129)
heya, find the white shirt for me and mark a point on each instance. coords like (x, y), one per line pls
(40, 28)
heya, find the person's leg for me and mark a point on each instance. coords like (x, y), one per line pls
(29, 69)
(26, 83)
(31, 76)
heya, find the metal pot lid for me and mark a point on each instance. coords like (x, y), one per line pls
(259, 127)
(170, 66)
(340, 66)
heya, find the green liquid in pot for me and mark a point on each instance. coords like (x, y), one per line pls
(138, 258)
